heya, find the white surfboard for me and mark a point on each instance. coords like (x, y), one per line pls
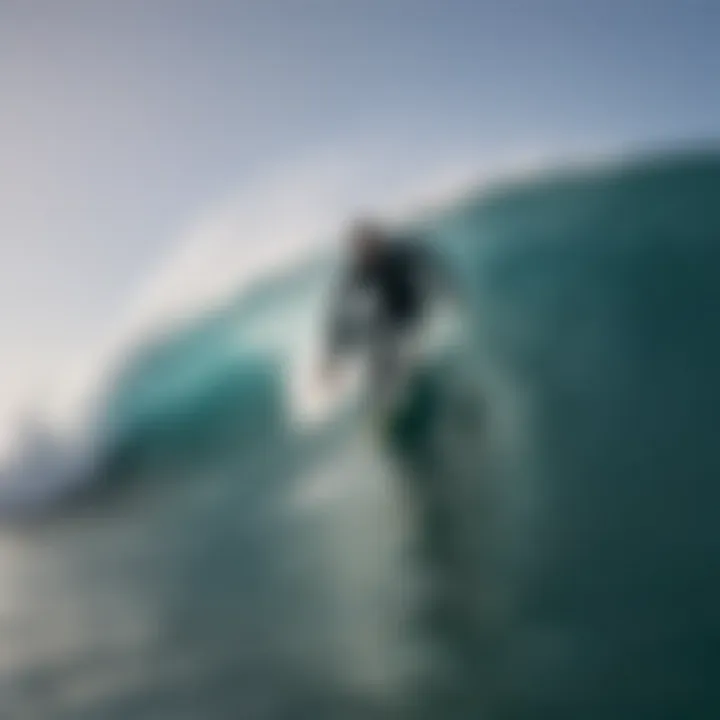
(316, 400)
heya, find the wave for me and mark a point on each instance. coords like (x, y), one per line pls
(537, 525)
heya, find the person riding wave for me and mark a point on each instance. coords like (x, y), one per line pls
(385, 294)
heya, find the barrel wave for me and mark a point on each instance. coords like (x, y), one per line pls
(533, 536)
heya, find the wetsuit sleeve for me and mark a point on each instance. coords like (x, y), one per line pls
(338, 326)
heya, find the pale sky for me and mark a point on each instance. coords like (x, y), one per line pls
(123, 121)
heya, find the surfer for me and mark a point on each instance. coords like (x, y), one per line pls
(383, 297)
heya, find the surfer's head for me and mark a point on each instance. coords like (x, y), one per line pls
(367, 238)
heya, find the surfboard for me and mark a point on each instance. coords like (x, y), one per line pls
(316, 401)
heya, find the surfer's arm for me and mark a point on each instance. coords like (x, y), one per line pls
(338, 326)
(337, 333)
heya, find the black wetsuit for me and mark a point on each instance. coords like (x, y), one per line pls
(400, 278)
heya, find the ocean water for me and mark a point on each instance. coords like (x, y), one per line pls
(535, 536)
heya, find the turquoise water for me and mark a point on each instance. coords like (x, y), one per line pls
(535, 537)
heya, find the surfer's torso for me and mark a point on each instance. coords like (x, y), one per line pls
(394, 284)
